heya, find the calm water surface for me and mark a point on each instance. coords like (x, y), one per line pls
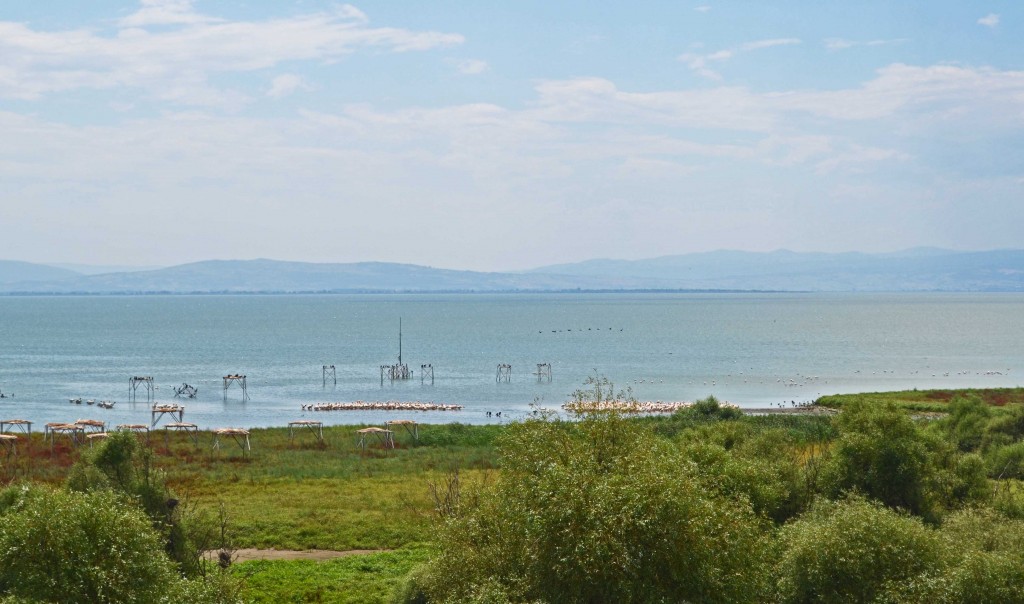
(751, 349)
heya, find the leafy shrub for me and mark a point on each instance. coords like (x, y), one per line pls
(1005, 427)
(853, 551)
(596, 511)
(122, 465)
(737, 461)
(880, 453)
(711, 408)
(1006, 461)
(985, 560)
(57, 546)
(966, 423)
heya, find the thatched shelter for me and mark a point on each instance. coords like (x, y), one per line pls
(8, 425)
(317, 428)
(91, 425)
(385, 437)
(411, 426)
(239, 435)
(177, 413)
(191, 430)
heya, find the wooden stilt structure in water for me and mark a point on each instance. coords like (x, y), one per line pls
(329, 371)
(92, 425)
(177, 413)
(186, 390)
(144, 380)
(95, 436)
(235, 378)
(504, 373)
(427, 372)
(398, 371)
(543, 372)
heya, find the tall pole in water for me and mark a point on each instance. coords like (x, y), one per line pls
(399, 340)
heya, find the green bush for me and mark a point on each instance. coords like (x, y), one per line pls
(854, 551)
(1006, 461)
(57, 546)
(880, 453)
(596, 511)
(739, 462)
(966, 423)
(985, 553)
(1005, 427)
(122, 465)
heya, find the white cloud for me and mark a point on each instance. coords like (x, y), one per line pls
(285, 84)
(698, 63)
(937, 89)
(173, 61)
(164, 12)
(856, 155)
(768, 44)
(702, 8)
(583, 151)
(599, 100)
(989, 20)
(472, 66)
(834, 44)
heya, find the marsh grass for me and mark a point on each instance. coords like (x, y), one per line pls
(935, 401)
(298, 493)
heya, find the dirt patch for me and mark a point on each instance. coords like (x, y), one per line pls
(245, 555)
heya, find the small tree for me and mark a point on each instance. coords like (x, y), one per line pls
(880, 453)
(58, 546)
(854, 551)
(596, 511)
(122, 465)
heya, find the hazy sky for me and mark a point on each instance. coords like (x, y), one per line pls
(505, 135)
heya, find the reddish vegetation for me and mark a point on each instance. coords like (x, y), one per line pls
(997, 397)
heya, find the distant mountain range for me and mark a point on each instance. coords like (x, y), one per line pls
(920, 269)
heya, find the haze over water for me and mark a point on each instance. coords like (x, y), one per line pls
(755, 350)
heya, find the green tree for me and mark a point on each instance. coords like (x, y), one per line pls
(881, 453)
(122, 465)
(58, 546)
(596, 511)
(854, 551)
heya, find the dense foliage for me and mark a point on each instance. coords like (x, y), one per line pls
(706, 506)
(114, 534)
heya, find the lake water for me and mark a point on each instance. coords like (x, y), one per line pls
(752, 349)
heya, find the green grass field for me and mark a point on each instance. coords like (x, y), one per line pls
(363, 579)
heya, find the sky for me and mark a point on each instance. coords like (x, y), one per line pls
(506, 135)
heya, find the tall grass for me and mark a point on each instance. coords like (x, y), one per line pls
(927, 400)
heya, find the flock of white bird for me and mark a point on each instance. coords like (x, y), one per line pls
(382, 406)
(623, 406)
